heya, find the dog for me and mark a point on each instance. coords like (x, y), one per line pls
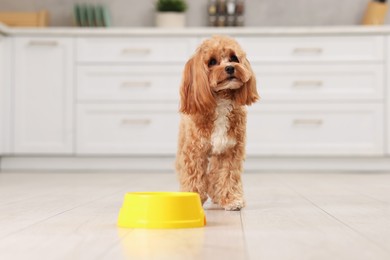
(218, 83)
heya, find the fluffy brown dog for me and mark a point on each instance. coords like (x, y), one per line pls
(217, 84)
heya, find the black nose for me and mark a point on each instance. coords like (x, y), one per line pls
(229, 69)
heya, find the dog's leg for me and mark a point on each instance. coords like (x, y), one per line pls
(224, 178)
(191, 166)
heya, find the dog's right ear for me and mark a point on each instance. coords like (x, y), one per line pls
(195, 92)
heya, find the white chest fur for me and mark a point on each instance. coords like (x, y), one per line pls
(220, 140)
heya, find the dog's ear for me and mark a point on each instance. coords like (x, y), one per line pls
(247, 94)
(195, 93)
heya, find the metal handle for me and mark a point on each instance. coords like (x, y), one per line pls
(136, 51)
(132, 84)
(316, 51)
(307, 122)
(128, 121)
(307, 83)
(42, 43)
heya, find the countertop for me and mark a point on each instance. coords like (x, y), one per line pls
(195, 31)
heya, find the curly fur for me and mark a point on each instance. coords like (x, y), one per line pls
(212, 132)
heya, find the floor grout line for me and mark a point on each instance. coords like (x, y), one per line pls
(57, 214)
(338, 220)
(244, 235)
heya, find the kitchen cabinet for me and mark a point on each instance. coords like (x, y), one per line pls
(131, 83)
(127, 94)
(387, 97)
(43, 95)
(108, 99)
(2, 94)
(315, 130)
(321, 96)
(314, 48)
(5, 95)
(137, 130)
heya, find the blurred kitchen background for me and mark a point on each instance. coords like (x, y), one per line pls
(136, 13)
(102, 95)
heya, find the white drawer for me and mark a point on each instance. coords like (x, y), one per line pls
(354, 129)
(324, 82)
(172, 49)
(337, 48)
(133, 83)
(125, 129)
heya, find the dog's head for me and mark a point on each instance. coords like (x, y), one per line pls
(219, 67)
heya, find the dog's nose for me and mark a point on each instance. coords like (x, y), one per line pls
(229, 69)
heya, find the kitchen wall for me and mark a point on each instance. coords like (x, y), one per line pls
(258, 12)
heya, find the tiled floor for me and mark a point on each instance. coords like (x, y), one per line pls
(288, 216)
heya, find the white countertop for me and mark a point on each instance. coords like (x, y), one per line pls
(195, 31)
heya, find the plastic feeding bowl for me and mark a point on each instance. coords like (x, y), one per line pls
(161, 210)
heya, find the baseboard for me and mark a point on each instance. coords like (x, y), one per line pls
(166, 164)
(116, 164)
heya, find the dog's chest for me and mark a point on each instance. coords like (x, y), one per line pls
(220, 141)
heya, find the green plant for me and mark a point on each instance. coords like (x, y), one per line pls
(171, 6)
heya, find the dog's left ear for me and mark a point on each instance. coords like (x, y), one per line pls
(247, 94)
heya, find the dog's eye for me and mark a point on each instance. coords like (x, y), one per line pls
(212, 62)
(233, 58)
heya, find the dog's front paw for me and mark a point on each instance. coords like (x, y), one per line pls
(234, 205)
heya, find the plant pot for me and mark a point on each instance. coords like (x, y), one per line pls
(170, 19)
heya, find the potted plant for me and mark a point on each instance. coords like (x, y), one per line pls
(171, 13)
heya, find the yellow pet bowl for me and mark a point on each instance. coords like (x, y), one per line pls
(161, 210)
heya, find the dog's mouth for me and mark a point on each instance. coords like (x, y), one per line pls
(231, 78)
(231, 82)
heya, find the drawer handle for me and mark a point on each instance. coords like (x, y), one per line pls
(303, 51)
(130, 84)
(43, 43)
(307, 83)
(307, 122)
(143, 51)
(136, 121)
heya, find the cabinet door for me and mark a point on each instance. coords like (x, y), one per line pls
(2, 92)
(387, 93)
(125, 129)
(314, 48)
(5, 95)
(321, 82)
(315, 130)
(43, 95)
